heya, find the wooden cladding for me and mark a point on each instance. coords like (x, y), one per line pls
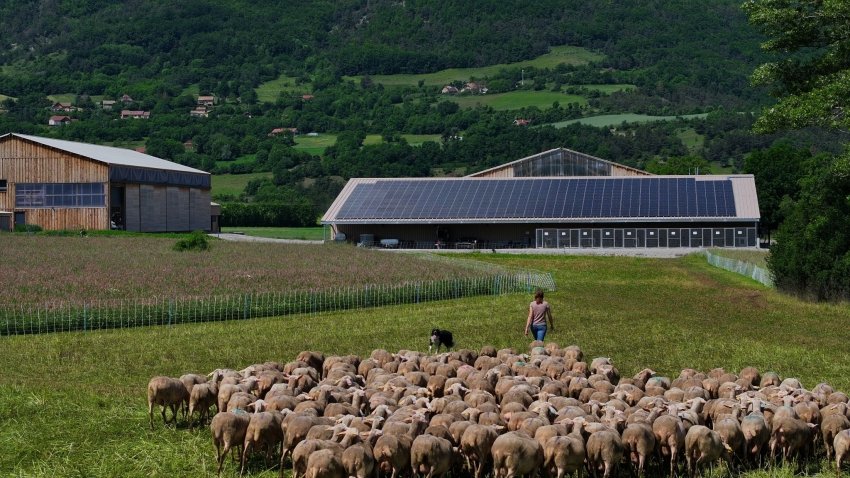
(68, 219)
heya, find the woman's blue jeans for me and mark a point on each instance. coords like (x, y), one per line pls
(538, 332)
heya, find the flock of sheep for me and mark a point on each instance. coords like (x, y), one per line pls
(500, 412)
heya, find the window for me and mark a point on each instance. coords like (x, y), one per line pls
(3, 185)
(65, 195)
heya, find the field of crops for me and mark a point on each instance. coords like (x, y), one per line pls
(73, 404)
(46, 269)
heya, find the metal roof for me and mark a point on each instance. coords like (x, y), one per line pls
(108, 154)
(562, 153)
(721, 198)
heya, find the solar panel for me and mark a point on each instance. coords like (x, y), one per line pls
(516, 198)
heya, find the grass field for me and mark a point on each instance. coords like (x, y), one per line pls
(608, 89)
(270, 91)
(570, 55)
(691, 139)
(306, 233)
(73, 404)
(757, 257)
(317, 145)
(604, 121)
(515, 100)
(234, 184)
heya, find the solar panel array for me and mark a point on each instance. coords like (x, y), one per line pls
(545, 198)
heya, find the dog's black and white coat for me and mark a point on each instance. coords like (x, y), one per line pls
(441, 337)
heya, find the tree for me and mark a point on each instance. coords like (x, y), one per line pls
(777, 171)
(812, 81)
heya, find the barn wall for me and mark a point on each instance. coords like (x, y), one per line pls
(177, 209)
(24, 162)
(132, 218)
(199, 209)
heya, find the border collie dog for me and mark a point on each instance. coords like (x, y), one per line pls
(441, 337)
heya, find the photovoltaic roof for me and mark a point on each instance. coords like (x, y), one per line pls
(562, 199)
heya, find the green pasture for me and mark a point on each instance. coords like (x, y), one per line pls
(691, 139)
(270, 91)
(62, 97)
(515, 100)
(604, 121)
(570, 55)
(608, 89)
(4, 97)
(234, 184)
(317, 145)
(73, 404)
(303, 233)
(753, 256)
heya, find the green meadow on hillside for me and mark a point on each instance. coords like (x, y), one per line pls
(570, 55)
(603, 121)
(73, 404)
(515, 100)
(234, 184)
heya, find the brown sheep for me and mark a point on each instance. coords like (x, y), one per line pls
(228, 433)
(515, 454)
(166, 392)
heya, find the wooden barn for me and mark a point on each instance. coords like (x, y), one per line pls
(58, 184)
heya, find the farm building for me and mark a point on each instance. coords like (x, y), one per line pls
(58, 184)
(560, 199)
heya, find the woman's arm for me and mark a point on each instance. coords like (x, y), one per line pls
(528, 321)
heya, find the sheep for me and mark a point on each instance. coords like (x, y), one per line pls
(565, 454)
(604, 450)
(475, 445)
(703, 445)
(731, 434)
(638, 444)
(670, 437)
(431, 455)
(264, 430)
(791, 435)
(325, 463)
(228, 432)
(166, 392)
(515, 454)
(189, 381)
(841, 445)
(303, 451)
(832, 425)
(202, 397)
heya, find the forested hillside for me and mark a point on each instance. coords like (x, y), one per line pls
(299, 103)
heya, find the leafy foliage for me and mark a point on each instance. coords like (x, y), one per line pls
(197, 241)
(812, 252)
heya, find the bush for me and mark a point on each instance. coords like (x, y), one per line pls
(197, 241)
(268, 215)
(27, 228)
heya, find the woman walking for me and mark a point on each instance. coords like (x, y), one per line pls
(538, 312)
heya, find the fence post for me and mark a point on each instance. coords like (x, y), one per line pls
(170, 311)
(247, 308)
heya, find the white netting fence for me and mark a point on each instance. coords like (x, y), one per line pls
(748, 269)
(125, 313)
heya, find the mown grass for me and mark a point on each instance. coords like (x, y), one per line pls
(317, 145)
(756, 257)
(570, 55)
(603, 121)
(515, 100)
(691, 139)
(304, 233)
(73, 404)
(270, 91)
(234, 184)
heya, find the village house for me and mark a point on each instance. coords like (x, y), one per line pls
(199, 112)
(107, 104)
(59, 121)
(206, 100)
(134, 114)
(126, 99)
(474, 88)
(449, 90)
(279, 131)
(521, 122)
(307, 97)
(66, 107)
